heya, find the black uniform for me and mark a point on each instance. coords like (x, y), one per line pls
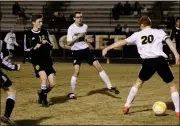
(4, 80)
(41, 57)
(175, 34)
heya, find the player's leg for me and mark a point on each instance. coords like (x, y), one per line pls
(175, 97)
(52, 82)
(73, 82)
(10, 101)
(24, 58)
(91, 59)
(10, 53)
(166, 74)
(146, 72)
(77, 59)
(43, 92)
(105, 77)
(132, 94)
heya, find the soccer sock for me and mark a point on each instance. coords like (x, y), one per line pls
(131, 96)
(9, 106)
(73, 83)
(49, 88)
(105, 78)
(175, 99)
(44, 92)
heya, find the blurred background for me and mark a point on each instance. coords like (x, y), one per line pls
(108, 22)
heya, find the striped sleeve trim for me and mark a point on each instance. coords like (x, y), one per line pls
(166, 37)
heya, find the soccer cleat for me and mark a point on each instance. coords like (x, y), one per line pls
(8, 120)
(72, 96)
(178, 114)
(114, 89)
(125, 110)
(39, 96)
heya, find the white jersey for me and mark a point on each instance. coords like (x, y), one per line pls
(149, 42)
(73, 31)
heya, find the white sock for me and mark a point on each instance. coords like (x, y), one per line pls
(105, 78)
(175, 99)
(131, 96)
(73, 83)
(43, 87)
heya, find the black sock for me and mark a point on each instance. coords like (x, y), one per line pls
(44, 94)
(49, 89)
(9, 107)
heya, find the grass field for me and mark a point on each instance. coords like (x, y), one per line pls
(94, 104)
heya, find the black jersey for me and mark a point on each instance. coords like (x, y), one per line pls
(175, 34)
(41, 55)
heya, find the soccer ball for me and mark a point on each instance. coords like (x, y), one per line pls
(159, 108)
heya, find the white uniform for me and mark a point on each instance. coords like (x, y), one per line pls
(10, 39)
(149, 42)
(73, 30)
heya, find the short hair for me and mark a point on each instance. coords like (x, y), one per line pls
(178, 18)
(145, 20)
(35, 17)
(76, 12)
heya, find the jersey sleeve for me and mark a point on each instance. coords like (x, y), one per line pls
(172, 35)
(163, 35)
(27, 42)
(69, 35)
(50, 42)
(131, 40)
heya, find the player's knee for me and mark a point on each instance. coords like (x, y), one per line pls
(44, 78)
(52, 84)
(76, 73)
(11, 91)
(172, 87)
(138, 83)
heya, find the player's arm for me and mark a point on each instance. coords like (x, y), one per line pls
(172, 37)
(7, 65)
(76, 39)
(15, 40)
(119, 43)
(6, 39)
(173, 49)
(47, 41)
(71, 40)
(29, 45)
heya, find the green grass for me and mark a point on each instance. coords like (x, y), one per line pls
(94, 104)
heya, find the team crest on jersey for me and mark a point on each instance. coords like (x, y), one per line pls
(37, 67)
(33, 38)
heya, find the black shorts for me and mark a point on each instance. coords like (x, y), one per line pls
(84, 54)
(47, 68)
(159, 65)
(5, 82)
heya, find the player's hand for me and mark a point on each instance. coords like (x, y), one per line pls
(90, 39)
(177, 59)
(81, 35)
(18, 66)
(104, 51)
(67, 47)
(37, 46)
(44, 41)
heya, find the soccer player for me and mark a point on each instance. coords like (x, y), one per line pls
(37, 41)
(10, 40)
(149, 45)
(6, 85)
(175, 34)
(80, 51)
